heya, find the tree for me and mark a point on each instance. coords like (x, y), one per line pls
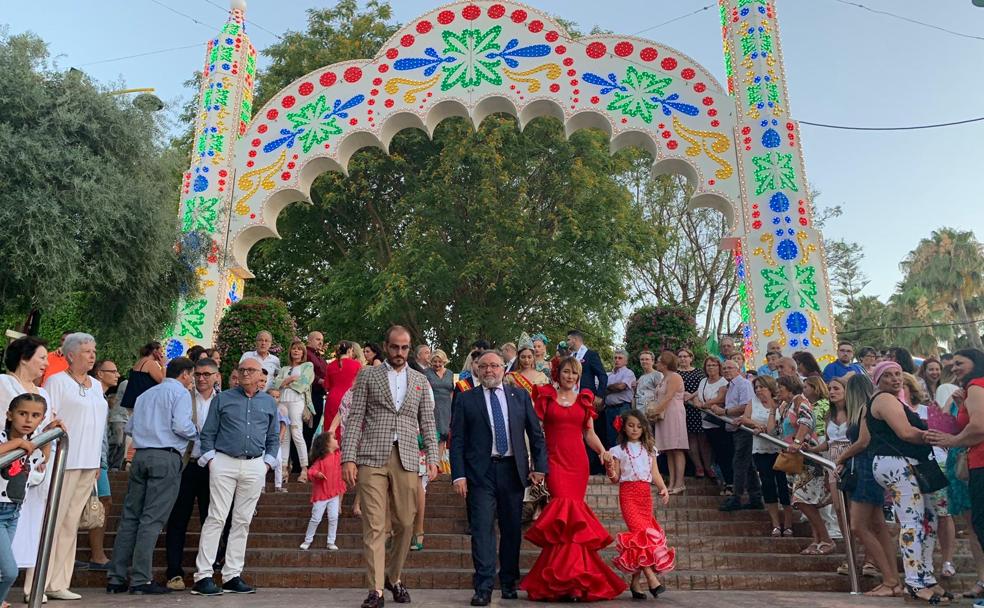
(948, 267)
(659, 328)
(87, 201)
(248, 317)
(863, 322)
(481, 233)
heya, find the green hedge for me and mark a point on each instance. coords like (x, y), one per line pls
(246, 318)
(659, 328)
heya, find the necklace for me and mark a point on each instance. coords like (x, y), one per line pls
(563, 403)
(82, 386)
(634, 457)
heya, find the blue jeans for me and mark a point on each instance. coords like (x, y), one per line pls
(9, 512)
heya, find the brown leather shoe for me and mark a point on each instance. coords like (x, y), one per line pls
(375, 600)
(400, 593)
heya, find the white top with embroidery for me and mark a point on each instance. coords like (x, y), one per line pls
(635, 464)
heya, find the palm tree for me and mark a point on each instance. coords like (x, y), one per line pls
(949, 266)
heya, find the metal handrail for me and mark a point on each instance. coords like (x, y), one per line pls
(51, 509)
(841, 497)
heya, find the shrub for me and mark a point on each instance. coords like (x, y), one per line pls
(246, 318)
(659, 328)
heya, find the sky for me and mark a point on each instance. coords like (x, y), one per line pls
(844, 65)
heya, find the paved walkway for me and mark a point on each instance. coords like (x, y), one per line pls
(439, 598)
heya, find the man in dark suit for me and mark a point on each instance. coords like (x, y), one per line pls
(490, 467)
(594, 378)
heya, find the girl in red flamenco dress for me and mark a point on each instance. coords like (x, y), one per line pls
(642, 550)
(568, 533)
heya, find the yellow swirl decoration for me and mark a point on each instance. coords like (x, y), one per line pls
(552, 73)
(698, 142)
(776, 327)
(416, 86)
(252, 181)
(807, 249)
(766, 253)
(816, 330)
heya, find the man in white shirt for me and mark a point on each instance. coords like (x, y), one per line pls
(268, 361)
(194, 478)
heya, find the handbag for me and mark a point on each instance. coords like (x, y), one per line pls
(929, 476)
(848, 481)
(534, 500)
(94, 514)
(789, 463)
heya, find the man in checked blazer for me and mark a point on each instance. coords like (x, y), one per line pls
(391, 405)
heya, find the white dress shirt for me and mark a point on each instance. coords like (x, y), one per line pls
(501, 397)
(398, 388)
(201, 404)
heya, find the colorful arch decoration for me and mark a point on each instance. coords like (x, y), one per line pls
(737, 145)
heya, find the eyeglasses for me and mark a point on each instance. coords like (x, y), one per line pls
(205, 374)
(246, 371)
(109, 371)
(489, 366)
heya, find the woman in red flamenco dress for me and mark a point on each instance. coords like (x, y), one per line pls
(642, 550)
(568, 533)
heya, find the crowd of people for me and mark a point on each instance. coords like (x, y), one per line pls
(519, 426)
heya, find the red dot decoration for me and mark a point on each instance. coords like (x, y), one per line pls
(471, 12)
(353, 74)
(649, 54)
(560, 49)
(536, 26)
(700, 87)
(595, 99)
(554, 87)
(255, 142)
(272, 114)
(250, 163)
(568, 62)
(496, 11)
(285, 175)
(668, 63)
(406, 40)
(327, 79)
(291, 165)
(624, 49)
(518, 16)
(223, 173)
(383, 68)
(252, 153)
(596, 50)
(789, 126)
(445, 17)
(712, 112)
(288, 101)
(552, 36)
(261, 129)
(746, 130)
(687, 73)
(392, 54)
(306, 88)
(756, 224)
(353, 121)
(708, 101)
(252, 216)
(665, 134)
(424, 26)
(571, 72)
(715, 123)
(672, 144)
(388, 103)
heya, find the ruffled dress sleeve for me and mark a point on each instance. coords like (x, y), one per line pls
(542, 396)
(586, 400)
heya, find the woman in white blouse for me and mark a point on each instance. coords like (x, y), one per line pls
(78, 400)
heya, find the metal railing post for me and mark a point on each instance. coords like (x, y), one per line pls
(51, 509)
(840, 498)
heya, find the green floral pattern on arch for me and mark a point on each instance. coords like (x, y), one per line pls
(780, 288)
(191, 318)
(317, 128)
(637, 100)
(200, 214)
(472, 68)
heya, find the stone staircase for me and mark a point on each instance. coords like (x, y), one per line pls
(715, 551)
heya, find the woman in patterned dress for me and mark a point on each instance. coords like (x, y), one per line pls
(700, 448)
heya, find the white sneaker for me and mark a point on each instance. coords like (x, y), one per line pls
(44, 599)
(332, 547)
(305, 545)
(64, 594)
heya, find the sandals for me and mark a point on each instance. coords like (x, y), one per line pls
(825, 548)
(787, 532)
(976, 593)
(948, 570)
(883, 590)
(417, 544)
(933, 599)
(810, 549)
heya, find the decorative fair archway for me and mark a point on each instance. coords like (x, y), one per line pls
(740, 151)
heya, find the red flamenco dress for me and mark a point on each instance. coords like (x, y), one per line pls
(568, 533)
(644, 545)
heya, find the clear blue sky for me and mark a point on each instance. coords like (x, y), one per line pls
(843, 65)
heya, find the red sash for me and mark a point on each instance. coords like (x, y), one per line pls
(521, 381)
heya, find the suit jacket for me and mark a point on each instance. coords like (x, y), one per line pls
(373, 419)
(593, 374)
(471, 435)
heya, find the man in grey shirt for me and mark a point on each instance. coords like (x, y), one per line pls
(161, 427)
(738, 398)
(239, 444)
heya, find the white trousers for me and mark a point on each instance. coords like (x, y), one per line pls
(278, 473)
(319, 509)
(295, 411)
(229, 478)
(916, 513)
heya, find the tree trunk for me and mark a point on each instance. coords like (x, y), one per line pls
(969, 325)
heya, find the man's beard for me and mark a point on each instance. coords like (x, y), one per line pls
(490, 382)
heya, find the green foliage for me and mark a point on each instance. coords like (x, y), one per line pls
(471, 234)
(246, 318)
(87, 200)
(863, 322)
(659, 328)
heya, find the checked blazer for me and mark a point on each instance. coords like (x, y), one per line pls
(373, 419)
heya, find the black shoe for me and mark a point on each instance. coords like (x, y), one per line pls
(510, 594)
(730, 505)
(117, 588)
(636, 595)
(657, 590)
(150, 588)
(206, 586)
(753, 505)
(481, 598)
(375, 600)
(400, 593)
(237, 585)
